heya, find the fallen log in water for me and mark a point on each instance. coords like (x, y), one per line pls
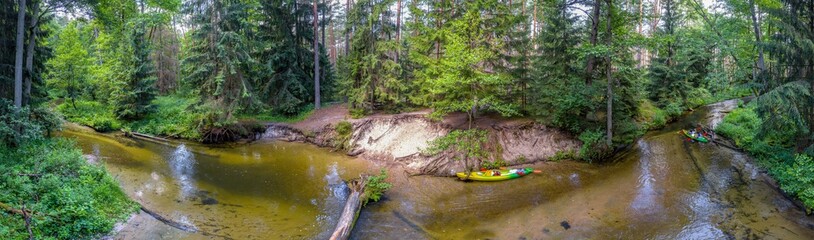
(178, 225)
(351, 211)
(146, 136)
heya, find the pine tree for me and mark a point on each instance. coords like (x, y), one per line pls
(464, 78)
(373, 77)
(287, 82)
(558, 93)
(218, 57)
(135, 88)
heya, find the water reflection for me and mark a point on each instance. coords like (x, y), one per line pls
(182, 164)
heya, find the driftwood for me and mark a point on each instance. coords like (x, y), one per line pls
(147, 137)
(351, 210)
(12, 210)
(180, 226)
(23, 212)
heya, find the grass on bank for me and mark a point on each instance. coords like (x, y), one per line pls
(793, 171)
(175, 116)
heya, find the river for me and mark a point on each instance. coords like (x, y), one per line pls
(660, 188)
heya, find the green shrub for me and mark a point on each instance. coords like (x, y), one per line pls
(357, 113)
(740, 125)
(564, 155)
(650, 116)
(70, 198)
(174, 117)
(497, 163)
(593, 145)
(798, 179)
(22, 125)
(344, 130)
(90, 113)
(674, 109)
(376, 186)
(699, 97)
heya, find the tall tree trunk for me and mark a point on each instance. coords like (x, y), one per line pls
(398, 29)
(18, 60)
(347, 27)
(761, 65)
(534, 23)
(589, 69)
(438, 27)
(639, 30)
(608, 72)
(654, 24)
(316, 58)
(29, 59)
(332, 39)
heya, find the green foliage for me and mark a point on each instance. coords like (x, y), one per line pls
(70, 198)
(372, 76)
(740, 125)
(798, 179)
(34, 124)
(68, 70)
(135, 83)
(460, 80)
(497, 163)
(564, 155)
(217, 58)
(271, 115)
(465, 145)
(376, 187)
(344, 130)
(651, 116)
(174, 117)
(285, 68)
(90, 113)
(593, 145)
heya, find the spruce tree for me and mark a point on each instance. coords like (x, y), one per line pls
(135, 88)
(218, 58)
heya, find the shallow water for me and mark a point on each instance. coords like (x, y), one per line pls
(261, 190)
(661, 188)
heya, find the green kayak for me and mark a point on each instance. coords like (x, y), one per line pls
(698, 137)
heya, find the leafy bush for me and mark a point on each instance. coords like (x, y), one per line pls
(593, 145)
(90, 113)
(740, 125)
(699, 97)
(32, 123)
(376, 186)
(799, 179)
(466, 145)
(497, 163)
(174, 117)
(650, 116)
(68, 198)
(563, 155)
(344, 130)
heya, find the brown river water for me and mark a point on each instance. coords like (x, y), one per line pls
(660, 188)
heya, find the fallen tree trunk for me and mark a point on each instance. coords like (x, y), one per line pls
(12, 210)
(178, 225)
(146, 136)
(351, 211)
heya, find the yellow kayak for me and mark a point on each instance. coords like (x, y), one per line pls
(495, 175)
